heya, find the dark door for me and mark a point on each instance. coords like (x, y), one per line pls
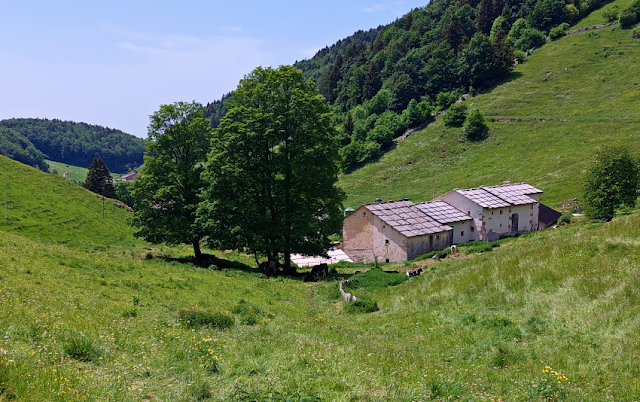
(514, 222)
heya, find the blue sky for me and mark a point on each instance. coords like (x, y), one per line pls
(114, 62)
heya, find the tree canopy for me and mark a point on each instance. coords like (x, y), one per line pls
(77, 143)
(272, 170)
(166, 193)
(99, 179)
(612, 180)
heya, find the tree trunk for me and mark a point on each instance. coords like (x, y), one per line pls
(196, 249)
(287, 263)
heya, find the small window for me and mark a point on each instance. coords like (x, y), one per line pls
(469, 213)
(387, 260)
(384, 227)
(491, 212)
(438, 237)
(472, 229)
(462, 233)
(500, 212)
(387, 241)
(501, 225)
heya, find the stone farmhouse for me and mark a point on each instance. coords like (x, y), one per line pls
(401, 230)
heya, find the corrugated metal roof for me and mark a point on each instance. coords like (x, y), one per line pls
(484, 198)
(406, 218)
(443, 212)
(516, 194)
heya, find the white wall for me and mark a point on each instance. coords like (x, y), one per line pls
(357, 235)
(459, 228)
(388, 243)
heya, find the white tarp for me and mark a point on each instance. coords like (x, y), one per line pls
(335, 255)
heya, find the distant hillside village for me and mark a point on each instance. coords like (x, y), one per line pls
(401, 230)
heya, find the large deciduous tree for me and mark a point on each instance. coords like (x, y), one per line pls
(99, 179)
(612, 180)
(273, 168)
(167, 191)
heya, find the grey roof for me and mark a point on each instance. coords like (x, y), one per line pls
(484, 198)
(516, 194)
(406, 218)
(443, 212)
(501, 196)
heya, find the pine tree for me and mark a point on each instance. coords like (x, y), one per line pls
(484, 16)
(99, 179)
(372, 82)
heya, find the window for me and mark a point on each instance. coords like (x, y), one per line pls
(384, 227)
(500, 212)
(364, 214)
(472, 229)
(491, 212)
(438, 237)
(462, 233)
(387, 241)
(501, 225)
(387, 260)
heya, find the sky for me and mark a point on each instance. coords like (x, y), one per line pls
(113, 63)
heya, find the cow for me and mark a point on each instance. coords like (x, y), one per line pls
(415, 272)
(320, 269)
(270, 268)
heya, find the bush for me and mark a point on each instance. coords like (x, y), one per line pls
(446, 99)
(564, 219)
(197, 319)
(361, 306)
(456, 115)
(611, 14)
(474, 127)
(559, 31)
(530, 38)
(81, 348)
(375, 279)
(628, 18)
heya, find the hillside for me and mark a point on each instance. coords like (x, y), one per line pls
(550, 316)
(570, 97)
(77, 143)
(48, 207)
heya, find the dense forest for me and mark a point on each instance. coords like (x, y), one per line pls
(68, 142)
(386, 80)
(15, 146)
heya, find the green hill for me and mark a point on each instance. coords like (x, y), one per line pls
(551, 316)
(73, 143)
(45, 206)
(570, 97)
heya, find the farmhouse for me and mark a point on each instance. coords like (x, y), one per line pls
(508, 209)
(401, 230)
(392, 232)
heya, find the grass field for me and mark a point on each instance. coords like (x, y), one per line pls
(101, 316)
(75, 174)
(48, 207)
(573, 95)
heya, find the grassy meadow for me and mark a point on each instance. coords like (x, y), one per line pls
(572, 96)
(552, 316)
(75, 174)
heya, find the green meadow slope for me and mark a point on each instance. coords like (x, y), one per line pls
(549, 316)
(571, 96)
(48, 207)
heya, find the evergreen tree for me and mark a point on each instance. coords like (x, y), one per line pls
(474, 126)
(612, 180)
(485, 14)
(99, 179)
(372, 82)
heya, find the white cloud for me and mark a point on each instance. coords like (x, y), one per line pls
(394, 7)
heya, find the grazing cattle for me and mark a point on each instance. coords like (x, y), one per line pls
(320, 269)
(270, 268)
(454, 249)
(310, 278)
(415, 272)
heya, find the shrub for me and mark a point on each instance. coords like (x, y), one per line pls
(456, 115)
(81, 348)
(361, 306)
(531, 38)
(446, 99)
(559, 31)
(628, 18)
(133, 313)
(564, 219)
(474, 127)
(611, 14)
(375, 279)
(197, 319)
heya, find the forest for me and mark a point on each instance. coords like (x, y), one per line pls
(386, 80)
(30, 141)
